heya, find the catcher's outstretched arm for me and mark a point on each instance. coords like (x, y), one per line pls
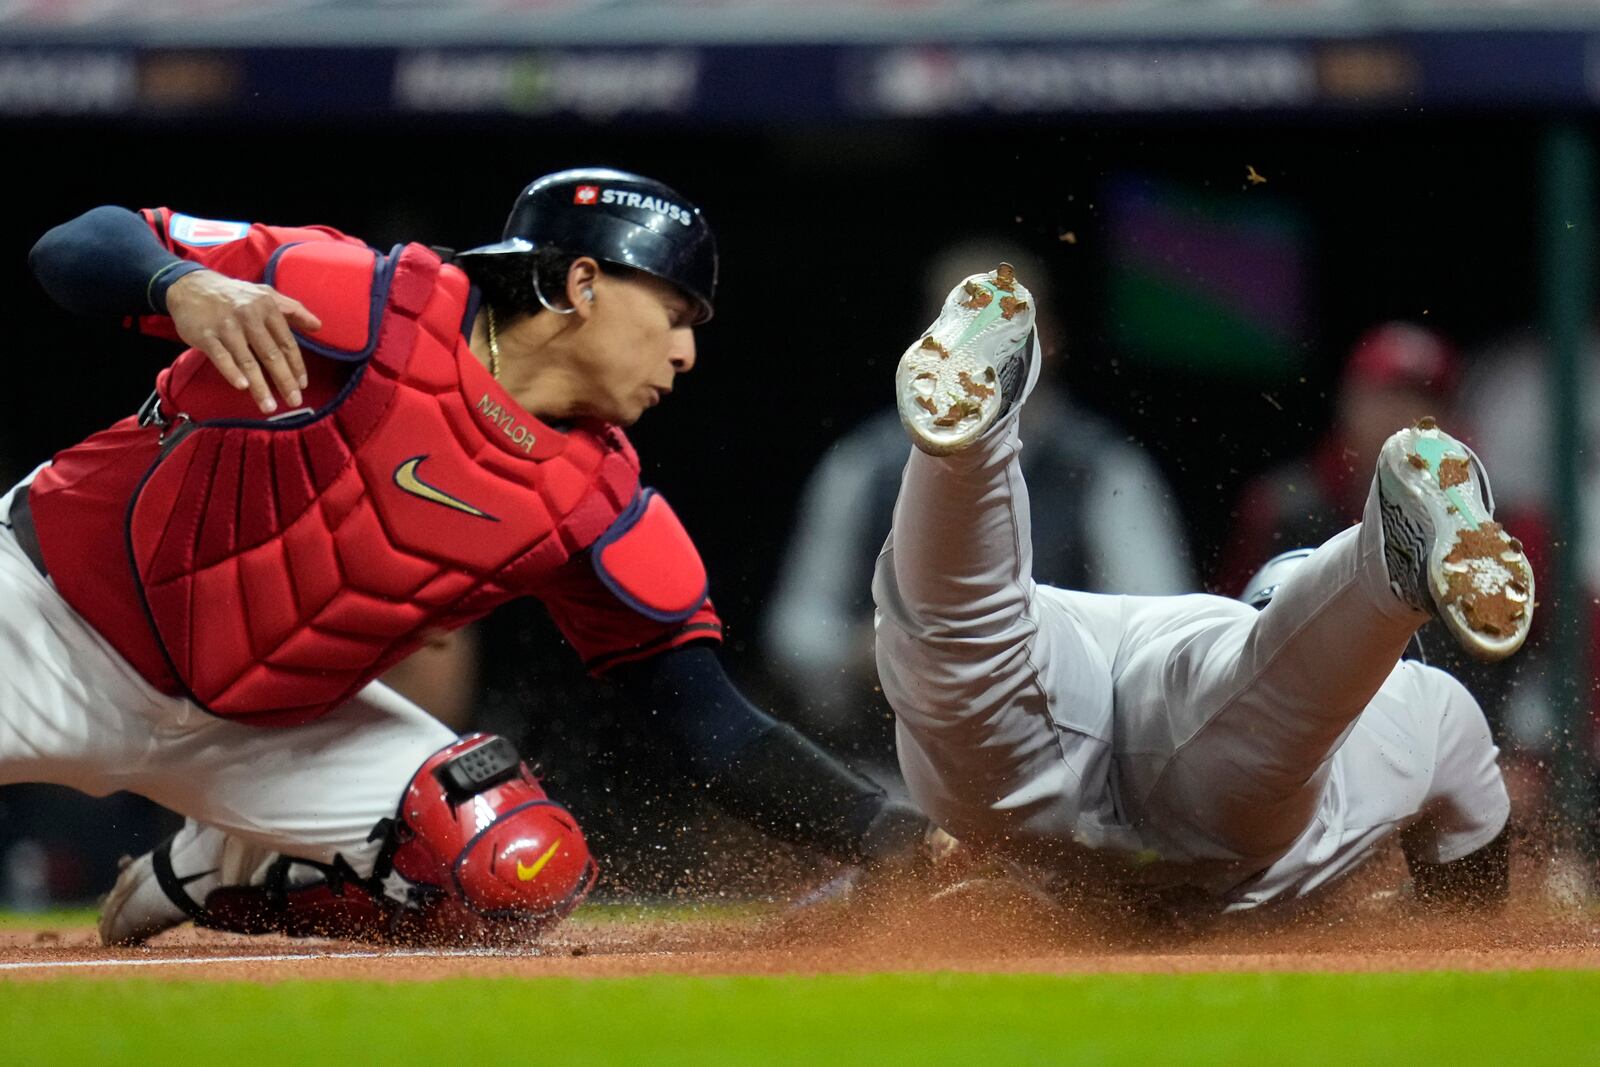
(763, 770)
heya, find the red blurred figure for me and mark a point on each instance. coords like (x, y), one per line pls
(1396, 373)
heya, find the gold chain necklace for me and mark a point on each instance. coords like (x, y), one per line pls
(494, 347)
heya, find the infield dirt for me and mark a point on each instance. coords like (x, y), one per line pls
(986, 925)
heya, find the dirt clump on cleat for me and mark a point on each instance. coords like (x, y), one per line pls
(1452, 472)
(978, 297)
(1486, 580)
(1443, 550)
(970, 366)
(961, 409)
(976, 389)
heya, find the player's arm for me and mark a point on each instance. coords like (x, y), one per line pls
(763, 770)
(635, 608)
(107, 262)
(113, 262)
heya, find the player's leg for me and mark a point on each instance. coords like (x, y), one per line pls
(373, 821)
(314, 792)
(1230, 728)
(71, 709)
(972, 674)
(74, 713)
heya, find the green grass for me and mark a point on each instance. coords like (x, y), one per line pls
(1261, 1020)
(53, 919)
(633, 911)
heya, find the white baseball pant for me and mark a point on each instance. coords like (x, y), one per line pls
(1193, 738)
(73, 712)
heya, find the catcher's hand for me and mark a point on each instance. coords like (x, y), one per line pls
(245, 330)
(902, 848)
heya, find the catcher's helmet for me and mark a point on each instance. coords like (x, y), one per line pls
(616, 217)
(1259, 590)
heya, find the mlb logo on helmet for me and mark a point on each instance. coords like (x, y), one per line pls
(586, 195)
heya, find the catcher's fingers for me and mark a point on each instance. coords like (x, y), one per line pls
(292, 313)
(222, 359)
(245, 329)
(274, 359)
(230, 339)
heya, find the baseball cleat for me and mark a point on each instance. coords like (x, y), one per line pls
(970, 366)
(137, 908)
(1445, 553)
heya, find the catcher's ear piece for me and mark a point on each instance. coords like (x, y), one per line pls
(588, 294)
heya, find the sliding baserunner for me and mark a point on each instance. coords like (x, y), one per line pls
(1188, 743)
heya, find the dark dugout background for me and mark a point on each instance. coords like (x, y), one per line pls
(824, 231)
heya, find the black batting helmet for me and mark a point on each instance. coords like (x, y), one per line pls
(1259, 590)
(616, 217)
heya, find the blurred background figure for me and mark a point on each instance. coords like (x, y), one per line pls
(1506, 395)
(1103, 514)
(1395, 373)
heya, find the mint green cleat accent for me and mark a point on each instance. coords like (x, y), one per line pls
(1445, 553)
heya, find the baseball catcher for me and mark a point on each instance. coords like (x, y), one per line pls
(1191, 746)
(360, 448)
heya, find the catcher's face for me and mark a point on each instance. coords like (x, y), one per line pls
(634, 340)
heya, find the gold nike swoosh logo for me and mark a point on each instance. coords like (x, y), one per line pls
(405, 476)
(529, 873)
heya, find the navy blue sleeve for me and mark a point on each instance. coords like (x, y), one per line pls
(708, 718)
(107, 262)
(760, 769)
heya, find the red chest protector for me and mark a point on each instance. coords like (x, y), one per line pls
(286, 563)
